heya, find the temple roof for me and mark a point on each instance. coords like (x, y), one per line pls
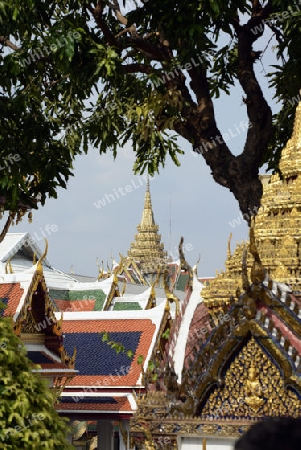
(244, 367)
(97, 403)
(20, 249)
(184, 334)
(136, 331)
(27, 302)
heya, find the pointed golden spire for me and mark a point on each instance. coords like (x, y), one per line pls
(147, 250)
(147, 219)
(229, 246)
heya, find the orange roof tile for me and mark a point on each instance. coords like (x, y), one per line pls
(13, 292)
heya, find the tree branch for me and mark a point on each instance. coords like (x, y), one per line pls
(5, 41)
(137, 68)
(152, 51)
(10, 218)
(97, 14)
(116, 8)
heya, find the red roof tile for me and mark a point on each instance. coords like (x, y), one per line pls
(197, 330)
(75, 305)
(13, 292)
(120, 404)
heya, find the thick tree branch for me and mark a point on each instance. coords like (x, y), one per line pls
(5, 41)
(97, 14)
(137, 68)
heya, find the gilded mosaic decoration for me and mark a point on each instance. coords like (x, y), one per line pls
(253, 386)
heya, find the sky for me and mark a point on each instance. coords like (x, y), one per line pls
(186, 202)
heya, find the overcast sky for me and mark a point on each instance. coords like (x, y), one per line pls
(186, 197)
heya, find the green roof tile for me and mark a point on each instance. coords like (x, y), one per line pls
(182, 281)
(126, 306)
(89, 294)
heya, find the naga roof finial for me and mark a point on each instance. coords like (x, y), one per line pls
(257, 270)
(39, 263)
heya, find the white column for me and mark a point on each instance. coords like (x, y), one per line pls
(126, 427)
(195, 443)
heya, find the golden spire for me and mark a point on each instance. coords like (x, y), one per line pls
(147, 250)
(147, 219)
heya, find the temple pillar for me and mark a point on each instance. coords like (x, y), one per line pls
(104, 434)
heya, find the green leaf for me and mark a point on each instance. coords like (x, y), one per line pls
(140, 359)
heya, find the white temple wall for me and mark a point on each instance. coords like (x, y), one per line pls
(196, 443)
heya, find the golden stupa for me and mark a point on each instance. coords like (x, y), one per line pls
(147, 250)
(277, 229)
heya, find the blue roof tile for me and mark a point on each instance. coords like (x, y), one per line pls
(95, 357)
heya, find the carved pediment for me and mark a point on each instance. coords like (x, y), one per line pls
(252, 387)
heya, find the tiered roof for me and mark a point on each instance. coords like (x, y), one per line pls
(147, 251)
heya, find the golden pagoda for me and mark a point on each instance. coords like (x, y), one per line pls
(147, 251)
(277, 229)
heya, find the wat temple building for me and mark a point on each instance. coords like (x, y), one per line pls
(145, 356)
(242, 352)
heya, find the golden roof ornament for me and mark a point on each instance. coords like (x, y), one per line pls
(169, 294)
(39, 263)
(244, 273)
(229, 246)
(8, 267)
(257, 271)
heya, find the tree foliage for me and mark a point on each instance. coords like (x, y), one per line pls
(77, 73)
(28, 419)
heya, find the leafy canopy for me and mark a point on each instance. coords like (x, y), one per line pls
(77, 73)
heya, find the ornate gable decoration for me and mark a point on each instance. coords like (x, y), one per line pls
(36, 320)
(252, 386)
(250, 357)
